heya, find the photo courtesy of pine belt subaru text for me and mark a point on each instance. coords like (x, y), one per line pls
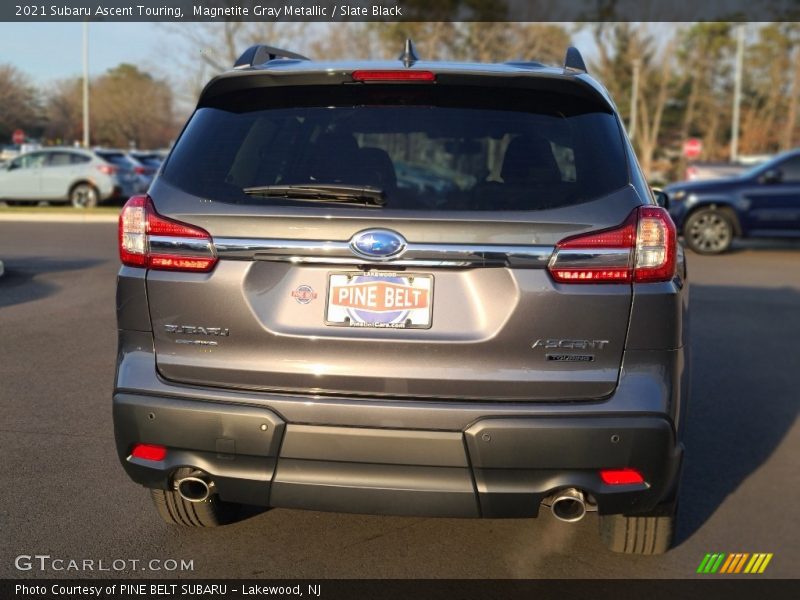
(404, 288)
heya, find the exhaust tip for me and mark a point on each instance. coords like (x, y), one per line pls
(569, 505)
(193, 489)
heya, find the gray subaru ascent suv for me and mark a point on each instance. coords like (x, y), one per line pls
(408, 288)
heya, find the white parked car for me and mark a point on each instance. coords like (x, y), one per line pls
(82, 178)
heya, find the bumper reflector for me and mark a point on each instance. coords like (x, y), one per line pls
(621, 476)
(149, 452)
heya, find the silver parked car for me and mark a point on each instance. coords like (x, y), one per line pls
(81, 177)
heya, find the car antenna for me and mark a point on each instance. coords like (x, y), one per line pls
(409, 55)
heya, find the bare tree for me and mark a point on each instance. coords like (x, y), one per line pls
(703, 70)
(118, 118)
(128, 107)
(206, 49)
(619, 45)
(496, 42)
(790, 131)
(63, 112)
(651, 107)
(19, 102)
(479, 41)
(337, 41)
(770, 89)
(433, 40)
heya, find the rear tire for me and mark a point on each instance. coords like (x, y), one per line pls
(83, 195)
(709, 231)
(651, 533)
(210, 513)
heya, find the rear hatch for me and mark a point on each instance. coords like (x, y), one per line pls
(392, 240)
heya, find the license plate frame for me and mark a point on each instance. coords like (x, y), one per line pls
(349, 309)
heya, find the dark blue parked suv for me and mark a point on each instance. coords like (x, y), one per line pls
(762, 202)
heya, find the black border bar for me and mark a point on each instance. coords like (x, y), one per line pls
(399, 10)
(729, 588)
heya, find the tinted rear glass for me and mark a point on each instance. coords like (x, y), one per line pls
(150, 161)
(62, 159)
(116, 158)
(434, 147)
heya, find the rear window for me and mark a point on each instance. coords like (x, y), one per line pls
(149, 160)
(63, 159)
(116, 158)
(426, 147)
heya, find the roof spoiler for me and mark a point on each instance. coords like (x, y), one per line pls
(259, 54)
(573, 61)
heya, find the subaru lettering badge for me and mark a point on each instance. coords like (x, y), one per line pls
(378, 244)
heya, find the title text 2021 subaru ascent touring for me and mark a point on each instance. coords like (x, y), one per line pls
(408, 288)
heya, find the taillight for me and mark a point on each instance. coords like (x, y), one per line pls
(621, 476)
(642, 249)
(146, 239)
(107, 169)
(139, 170)
(149, 452)
(656, 245)
(394, 75)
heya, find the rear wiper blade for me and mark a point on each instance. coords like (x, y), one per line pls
(328, 193)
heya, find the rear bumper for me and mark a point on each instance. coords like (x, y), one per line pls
(495, 467)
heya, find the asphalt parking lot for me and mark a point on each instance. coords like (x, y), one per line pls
(65, 495)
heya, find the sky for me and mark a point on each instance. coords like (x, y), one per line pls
(51, 51)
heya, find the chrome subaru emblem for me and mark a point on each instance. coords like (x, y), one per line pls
(379, 244)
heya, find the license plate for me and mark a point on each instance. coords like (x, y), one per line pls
(372, 299)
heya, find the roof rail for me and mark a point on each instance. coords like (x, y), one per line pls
(259, 54)
(525, 64)
(573, 61)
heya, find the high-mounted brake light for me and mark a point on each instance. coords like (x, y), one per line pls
(149, 452)
(621, 476)
(146, 239)
(394, 75)
(642, 249)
